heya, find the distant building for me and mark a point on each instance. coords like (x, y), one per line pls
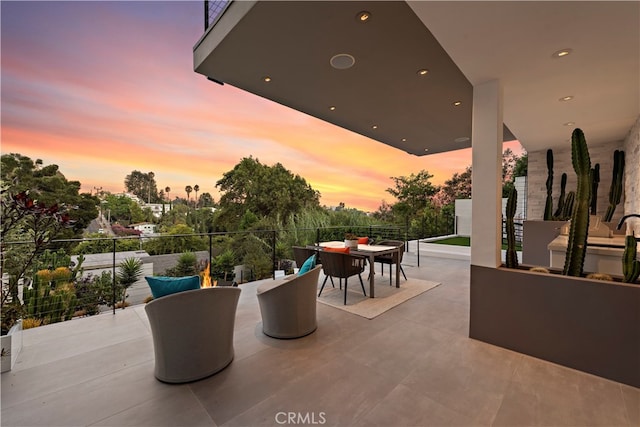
(132, 197)
(146, 228)
(157, 209)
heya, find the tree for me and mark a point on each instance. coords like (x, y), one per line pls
(413, 191)
(521, 166)
(384, 212)
(206, 200)
(180, 239)
(188, 189)
(142, 185)
(266, 191)
(457, 187)
(27, 220)
(512, 166)
(167, 190)
(196, 188)
(123, 209)
(151, 176)
(48, 185)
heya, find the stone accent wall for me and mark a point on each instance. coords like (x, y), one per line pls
(632, 176)
(537, 176)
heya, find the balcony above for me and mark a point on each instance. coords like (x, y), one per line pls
(376, 86)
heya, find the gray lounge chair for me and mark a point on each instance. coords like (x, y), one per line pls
(288, 305)
(193, 333)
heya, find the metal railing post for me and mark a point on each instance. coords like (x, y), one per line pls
(206, 14)
(211, 257)
(273, 255)
(113, 282)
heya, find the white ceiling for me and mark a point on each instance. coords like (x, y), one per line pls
(513, 41)
(461, 43)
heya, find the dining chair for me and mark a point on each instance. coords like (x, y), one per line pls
(389, 258)
(342, 266)
(301, 254)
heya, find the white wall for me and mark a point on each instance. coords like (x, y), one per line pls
(463, 215)
(537, 176)
(632, 175)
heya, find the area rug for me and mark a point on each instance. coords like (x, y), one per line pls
(386, 297)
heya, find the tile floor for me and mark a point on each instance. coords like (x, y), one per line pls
(412, 366)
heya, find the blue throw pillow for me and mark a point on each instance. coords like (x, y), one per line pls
(162, 286)
(309, 264)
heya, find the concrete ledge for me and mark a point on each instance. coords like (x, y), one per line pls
(589, 325)
(445, 251)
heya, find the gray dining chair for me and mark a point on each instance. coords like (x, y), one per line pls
(389, 260)
(342, 266)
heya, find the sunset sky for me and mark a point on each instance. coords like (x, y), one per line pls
(105, 88)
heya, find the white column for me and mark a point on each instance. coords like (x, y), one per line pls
(486, 221)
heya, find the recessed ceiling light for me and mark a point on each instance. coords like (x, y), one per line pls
(457, 103)
(569, 123)
(426, 149)
(374, 127)
(267, 79)
(422, 72)
(404, 139)
(462, 139)
(566, 98)
(363, 16)
(342, 61)
(332, 108)
(561, 53)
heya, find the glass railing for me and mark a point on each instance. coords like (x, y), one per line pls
(213, 10)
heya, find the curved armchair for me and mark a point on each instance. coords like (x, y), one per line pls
(389, 259)
(288, 305)
(193, 333)
(342, 266)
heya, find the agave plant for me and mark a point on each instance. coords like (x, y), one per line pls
(129, 271)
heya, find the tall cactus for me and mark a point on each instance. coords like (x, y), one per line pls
(595, 181)
(630, 264)
(567, 209)
(548, 207)
(615, 191)
(510, 212)
(577, 244)
(563, 187)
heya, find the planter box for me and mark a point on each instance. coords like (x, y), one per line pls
(589, 325)
(11, 346)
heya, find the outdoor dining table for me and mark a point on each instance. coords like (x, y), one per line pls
(370, 252)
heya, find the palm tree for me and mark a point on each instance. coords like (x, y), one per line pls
(167, 190)
(196, 188)
(188, 189)
(151, 175)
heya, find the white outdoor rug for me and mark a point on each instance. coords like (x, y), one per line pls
(386, 298)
